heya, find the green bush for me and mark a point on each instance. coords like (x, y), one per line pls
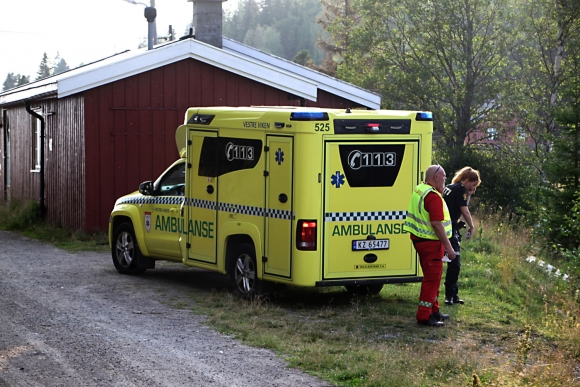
(19, 215)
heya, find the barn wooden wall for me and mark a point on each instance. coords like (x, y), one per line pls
(24, 184)
(65, 163)
(64, 195)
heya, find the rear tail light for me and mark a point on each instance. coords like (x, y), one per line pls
(306, 235)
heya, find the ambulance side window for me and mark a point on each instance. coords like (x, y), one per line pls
(173, 182)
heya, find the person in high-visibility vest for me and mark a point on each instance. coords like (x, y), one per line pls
(456, 196)
(429, 224)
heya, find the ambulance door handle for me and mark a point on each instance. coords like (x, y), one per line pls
(283, 198)
(209, 189)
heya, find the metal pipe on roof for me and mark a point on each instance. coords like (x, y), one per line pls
(150, 15)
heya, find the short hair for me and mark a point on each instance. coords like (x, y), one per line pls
(467, 173)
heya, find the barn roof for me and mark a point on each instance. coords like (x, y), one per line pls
(234, 57)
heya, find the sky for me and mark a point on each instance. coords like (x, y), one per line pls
(80, 31)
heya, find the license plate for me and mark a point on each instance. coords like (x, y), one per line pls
(370, 244)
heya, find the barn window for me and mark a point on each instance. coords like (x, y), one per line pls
(36, 142)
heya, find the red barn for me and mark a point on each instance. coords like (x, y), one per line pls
(78, 140)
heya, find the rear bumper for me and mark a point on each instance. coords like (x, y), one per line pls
(364, 282)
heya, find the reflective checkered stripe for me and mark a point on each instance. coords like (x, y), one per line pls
(210, 205)
(244, 210)
(199, 203)
(279, 214)
(426, 304)
(239, 209)
(367, 216)
(151, 200)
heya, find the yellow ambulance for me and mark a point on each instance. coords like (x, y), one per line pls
(288, 195)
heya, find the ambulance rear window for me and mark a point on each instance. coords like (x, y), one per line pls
(371, 165)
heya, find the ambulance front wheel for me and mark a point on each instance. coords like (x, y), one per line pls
(126, 253)
(364, 289)
(243, 272)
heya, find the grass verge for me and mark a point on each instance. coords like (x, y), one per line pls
(24, 218)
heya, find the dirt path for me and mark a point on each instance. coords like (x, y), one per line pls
(71, 320)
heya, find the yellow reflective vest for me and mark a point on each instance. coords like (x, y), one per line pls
(417, 221)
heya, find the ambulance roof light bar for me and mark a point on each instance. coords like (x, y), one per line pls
(309, 116)
(424, 116)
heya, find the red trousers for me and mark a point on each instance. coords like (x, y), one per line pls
(430, 255)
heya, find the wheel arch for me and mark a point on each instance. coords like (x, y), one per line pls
(128, 217)
(231, 243)
(235, 233)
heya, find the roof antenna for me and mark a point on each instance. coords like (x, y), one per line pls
(191, 35)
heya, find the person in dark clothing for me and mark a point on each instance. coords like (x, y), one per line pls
(456, 196)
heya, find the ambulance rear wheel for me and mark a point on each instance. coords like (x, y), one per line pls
(243, 272)
(125, 251)
(364, 289)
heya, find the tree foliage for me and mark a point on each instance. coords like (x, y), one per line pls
(449, 57)
(15, 80)
(563, 165)
(280, 27)
(44, 69)
(548, 28)
(337, 19)
(60, 65)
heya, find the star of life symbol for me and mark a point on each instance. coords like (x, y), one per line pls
(148, 221)
(337, 179)
(279, 156)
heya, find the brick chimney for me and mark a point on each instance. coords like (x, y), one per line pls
(207, 21)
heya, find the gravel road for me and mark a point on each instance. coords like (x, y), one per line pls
(69, 319)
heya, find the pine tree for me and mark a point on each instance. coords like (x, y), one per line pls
(60, 65)
(303, 58)
(10, 81)
(15, 80)
(44, 69)
(22, 80)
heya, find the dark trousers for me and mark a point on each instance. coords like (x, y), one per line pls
(453, 267)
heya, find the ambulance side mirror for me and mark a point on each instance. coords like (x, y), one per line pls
(146, 188)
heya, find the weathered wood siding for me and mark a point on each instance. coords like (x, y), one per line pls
(4, 194)
(130, 124)
(24, 182)
(64, 196)
(65, 163)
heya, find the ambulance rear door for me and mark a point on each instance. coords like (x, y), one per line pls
(367, 185)
(279, 200)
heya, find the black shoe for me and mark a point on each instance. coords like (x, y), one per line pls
(432, 322)
(457, 300)
(440, 316)
(449, 301)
